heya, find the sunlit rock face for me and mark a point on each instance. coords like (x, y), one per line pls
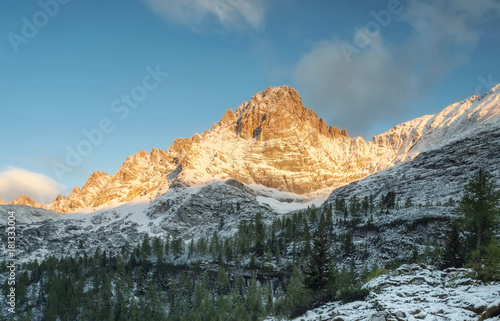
(274, 141)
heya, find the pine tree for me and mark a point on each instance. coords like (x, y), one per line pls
(254, 300)
(277, 252)
(372, 203)
(347, 243)
(365, 205)
(452, 256)
(269, 300)
(427, 255)
(414, 254)
(318, 269)
(489, 270)
(177, 247)
(480, 206)
(198, 296)
(191, 249)
(158, 249)
(146, 247)
(259, 235)
(223, 282)
(354, 206)
(389, 200)
(298, 296)
(167, 247)
(201, 246)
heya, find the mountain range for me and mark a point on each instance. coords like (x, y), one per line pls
(273, 161)
(274, 141)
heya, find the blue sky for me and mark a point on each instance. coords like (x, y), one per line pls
(363, 66)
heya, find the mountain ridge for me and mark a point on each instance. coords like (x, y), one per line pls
(274, 141)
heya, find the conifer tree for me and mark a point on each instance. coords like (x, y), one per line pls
(318, 268)
(259, 235)
(453, 256)
(480, 206)
(222, 282)
(146, 247)
(254, 300)
(191, 249)
(298, 296)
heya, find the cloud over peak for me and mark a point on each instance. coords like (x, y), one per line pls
(366, 79)
(16, 181)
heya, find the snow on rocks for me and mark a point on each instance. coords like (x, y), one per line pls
(26, 214)
(416, 292)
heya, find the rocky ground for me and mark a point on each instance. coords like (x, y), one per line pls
(418, 292)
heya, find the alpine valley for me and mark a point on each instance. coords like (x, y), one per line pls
(228, 220)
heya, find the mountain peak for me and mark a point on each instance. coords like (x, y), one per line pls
(283, 97)
(269, 113)
(2, 202)
(25, 200)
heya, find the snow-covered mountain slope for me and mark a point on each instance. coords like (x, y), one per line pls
(274, 141)
(185, 212)
(455, 122)
(417, 292)
(434, 175)
(26, 214)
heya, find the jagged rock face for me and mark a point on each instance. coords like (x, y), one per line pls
(25, 200)
(273, 140)
(271, 113)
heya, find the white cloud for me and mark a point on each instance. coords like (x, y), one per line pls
(364, 80)
(229, 13)
(358, 92)
(16, 181)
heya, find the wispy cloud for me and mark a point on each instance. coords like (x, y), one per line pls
(359, 83)
(16, 181)
(230, 14)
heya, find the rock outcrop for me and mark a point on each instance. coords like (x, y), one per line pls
(417, 292)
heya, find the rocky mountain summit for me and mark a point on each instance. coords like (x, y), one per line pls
(274, 141)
